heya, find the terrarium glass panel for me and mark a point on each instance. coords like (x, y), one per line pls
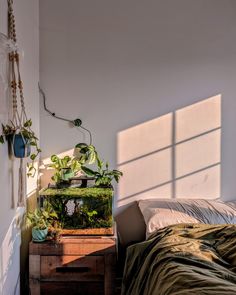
(81, 208)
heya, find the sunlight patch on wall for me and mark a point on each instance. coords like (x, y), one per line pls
(177, 155)
(9, 258)
(144, 139)
(198, 153)
(161, 191)
(198, 118)
(204, 184)
(145, 173)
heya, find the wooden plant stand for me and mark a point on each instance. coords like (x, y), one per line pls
(75, 265)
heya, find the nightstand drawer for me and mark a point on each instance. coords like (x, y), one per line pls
(72, 268)
(72, 288)
(80, 265)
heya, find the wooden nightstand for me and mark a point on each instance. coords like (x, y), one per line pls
(83, 265)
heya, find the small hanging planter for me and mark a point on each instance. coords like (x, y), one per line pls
(18, 132)
(21, 146)
(23, 142)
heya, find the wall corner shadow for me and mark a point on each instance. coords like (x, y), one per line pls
(130, 224)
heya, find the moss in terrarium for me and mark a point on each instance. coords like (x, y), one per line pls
(78, 192)
(90, 208)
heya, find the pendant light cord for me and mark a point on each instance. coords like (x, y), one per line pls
(77, 122)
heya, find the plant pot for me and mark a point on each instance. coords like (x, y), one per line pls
(77, 154)
(39, 235)
(21, 146)
(66, 174)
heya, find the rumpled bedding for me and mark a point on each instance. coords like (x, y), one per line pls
(183, 259)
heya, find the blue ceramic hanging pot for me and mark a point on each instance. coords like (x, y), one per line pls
(21, 146)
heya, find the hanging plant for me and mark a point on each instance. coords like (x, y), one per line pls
(18, 132)
(23, 143)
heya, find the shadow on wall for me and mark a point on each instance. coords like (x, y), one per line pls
(24, 247)
(9, 256)
(177, 155)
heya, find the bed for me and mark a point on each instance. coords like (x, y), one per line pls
(190, 248)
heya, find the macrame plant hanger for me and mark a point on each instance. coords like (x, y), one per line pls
(18, 114)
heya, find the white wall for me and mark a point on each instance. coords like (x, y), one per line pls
(26, 13)
(132, 70)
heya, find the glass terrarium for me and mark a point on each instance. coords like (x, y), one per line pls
(82, 210)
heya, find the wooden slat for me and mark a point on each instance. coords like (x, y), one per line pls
(110, 274)
(34, 274)
(88, 231)
(72, 268)
(74, 247)
(34, 266)
(72, 288)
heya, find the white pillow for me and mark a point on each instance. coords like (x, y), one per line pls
(159, 213)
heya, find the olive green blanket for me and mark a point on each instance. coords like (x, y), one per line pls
(184, 259)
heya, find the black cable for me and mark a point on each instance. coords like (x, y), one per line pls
(89, 132)
(77, 122)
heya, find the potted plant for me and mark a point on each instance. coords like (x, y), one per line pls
(40, 219)
(103, 176)
(65, 168)
(22, 140)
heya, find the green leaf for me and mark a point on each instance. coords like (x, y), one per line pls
(66, 159)
(33, 143)
(54, 158)
(99, 162)
(28, 123)
(2, 139)
(98, 181)
(32, 157)
(91, 157)
(88, 171)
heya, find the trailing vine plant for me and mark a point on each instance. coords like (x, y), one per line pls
(8, 132)
(19, 126)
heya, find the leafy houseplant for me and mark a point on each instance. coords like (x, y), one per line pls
(40, 220)
(85, 153)
(65, 168)
(103, 176)
(22, 140)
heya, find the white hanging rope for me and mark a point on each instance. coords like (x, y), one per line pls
(18, 117)
(21, 186)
